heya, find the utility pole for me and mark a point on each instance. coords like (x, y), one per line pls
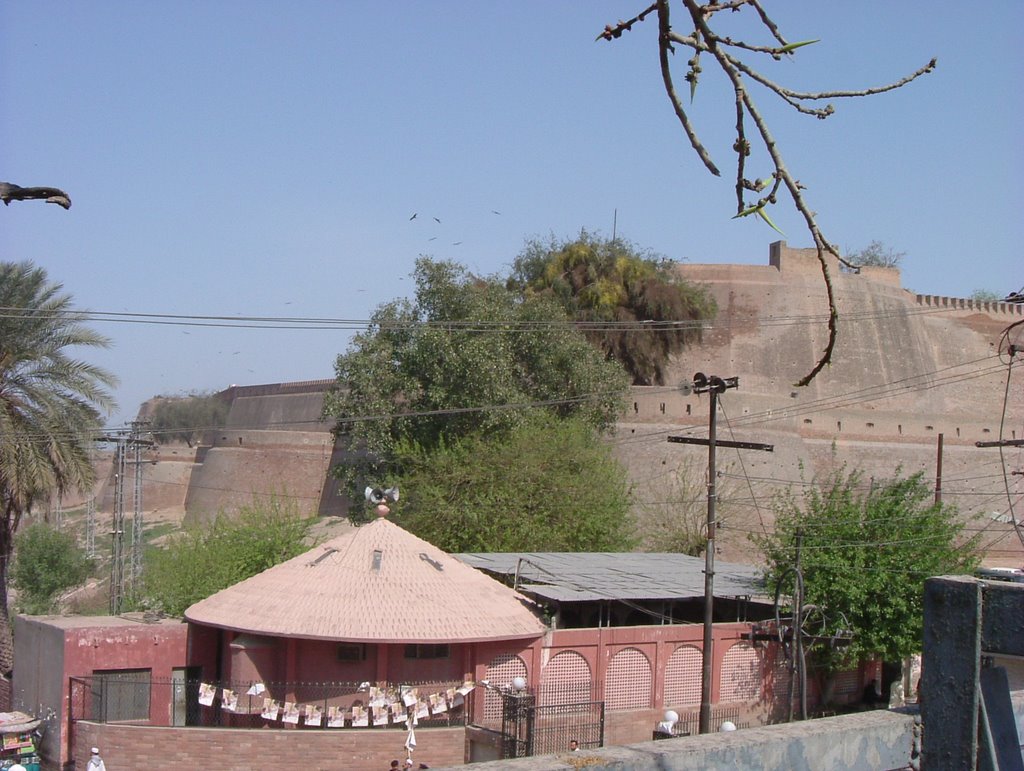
(938, 473)
(712, 385)
(1017, 526)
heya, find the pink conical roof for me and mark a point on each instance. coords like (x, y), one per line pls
(376, 583)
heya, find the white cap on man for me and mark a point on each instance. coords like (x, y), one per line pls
(95, 750)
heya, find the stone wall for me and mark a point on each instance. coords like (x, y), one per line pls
(906, 368)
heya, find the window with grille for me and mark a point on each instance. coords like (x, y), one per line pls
(500, 672)
(628, 681)
(427, 651)
(847, 682)
(351, 652)
(682, 677)
(741, 674)
(565, 679)
(120, 694)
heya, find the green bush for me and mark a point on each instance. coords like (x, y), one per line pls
(46, 563)
(203, 559)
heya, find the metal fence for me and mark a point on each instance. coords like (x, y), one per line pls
(132, 697)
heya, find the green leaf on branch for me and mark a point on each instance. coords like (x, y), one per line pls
(787, 49)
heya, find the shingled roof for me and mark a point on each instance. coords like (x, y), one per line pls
(376, 583)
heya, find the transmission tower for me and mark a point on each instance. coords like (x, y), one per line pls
(90, 527)
(137, 524)
(117, 530)
(124, 570)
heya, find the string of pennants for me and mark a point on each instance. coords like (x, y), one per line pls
(386, 706)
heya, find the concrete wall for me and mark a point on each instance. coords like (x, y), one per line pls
(49, 650)
(869, 741)
(38, 685)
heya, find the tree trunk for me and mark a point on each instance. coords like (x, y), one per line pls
(6, 637)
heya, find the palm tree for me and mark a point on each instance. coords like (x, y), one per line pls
(49, 404)
(632, 305)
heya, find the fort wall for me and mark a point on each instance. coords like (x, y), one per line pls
(906, 368)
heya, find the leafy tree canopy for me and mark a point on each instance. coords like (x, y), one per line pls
(203, 559)
(46, 563)
(50, 405)
(865, 551)
(549, 485)
(185, 418)
(633, 305)
(878, 255)
(466, 356)
(986, 296)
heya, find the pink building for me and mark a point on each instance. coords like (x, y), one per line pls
(121, 657)
(337, 646)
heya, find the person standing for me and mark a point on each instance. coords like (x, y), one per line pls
(95, 761)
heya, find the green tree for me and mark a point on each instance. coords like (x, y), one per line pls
(634, 306)
(878, 255)
(986, 296)
(548, 485)
(49, 404)
(46, 563)
(185, 418)
(467, 356)
(865, 551)
(203, 559)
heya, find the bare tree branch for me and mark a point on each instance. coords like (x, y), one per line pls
(10, 192)
(727, 52)
(665, 48)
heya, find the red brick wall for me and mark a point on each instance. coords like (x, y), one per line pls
(156, 749)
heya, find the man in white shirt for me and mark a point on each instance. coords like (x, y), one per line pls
(95, 761)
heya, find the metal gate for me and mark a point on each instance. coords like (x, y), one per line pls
(530, 729)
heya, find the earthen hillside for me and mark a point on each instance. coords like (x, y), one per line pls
(907, 368)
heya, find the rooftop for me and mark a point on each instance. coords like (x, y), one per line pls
(582, 577)
(375, 583)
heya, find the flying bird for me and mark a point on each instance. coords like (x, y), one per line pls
(495, 212)
(432, 238)
(11, 192)
(437, 220)
(456, 243)
(412, 217)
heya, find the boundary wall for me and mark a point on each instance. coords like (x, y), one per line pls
(879, 740)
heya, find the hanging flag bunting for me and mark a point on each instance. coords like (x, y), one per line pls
(271, 709)
(206, 693)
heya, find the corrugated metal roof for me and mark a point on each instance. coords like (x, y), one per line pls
(375, 583)
(584, 576)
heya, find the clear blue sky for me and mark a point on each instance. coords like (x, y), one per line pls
(263, 159)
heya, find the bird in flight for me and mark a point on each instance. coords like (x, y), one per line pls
(11, 192)
(456, 243)
(437, 220)
(495, 212)
(412, 217)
